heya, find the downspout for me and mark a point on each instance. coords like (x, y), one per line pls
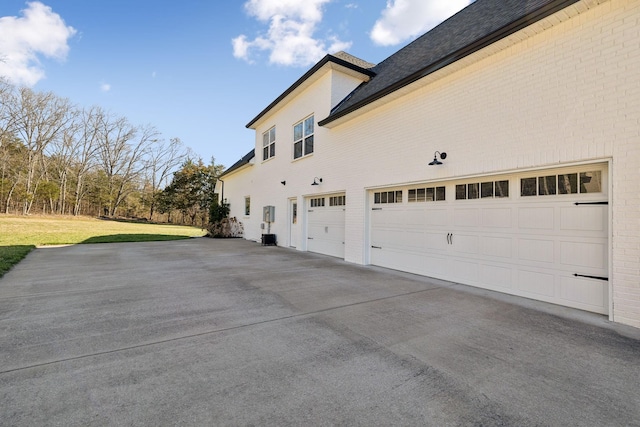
(221, 193)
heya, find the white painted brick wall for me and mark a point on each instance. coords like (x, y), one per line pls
(567, 94)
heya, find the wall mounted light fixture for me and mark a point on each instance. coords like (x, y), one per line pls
(283, 182)
(435, 158)
(316, 181)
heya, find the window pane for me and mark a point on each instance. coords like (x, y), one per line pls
(376, 198)
(272, 135)
(420, 197)
(473, 190)
(412, 195)
(383, 197)
(297, 149)
(273, 149)
(486, 189)
(547, 185)
(265, 139)
(297, 132)
(440, 193)
(308, 126)
(398, 196)
(591, 182)
(568, 184)
(429, 195)
(265, 153)
(461, 192)
(308, 145)
(528, 187)
(502, 189)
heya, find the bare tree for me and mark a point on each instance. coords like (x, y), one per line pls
(162, 159)
(39, 118)
(85, 148)
(121, 153)
(8, 101)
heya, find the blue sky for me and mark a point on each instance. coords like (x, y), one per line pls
(198, 70)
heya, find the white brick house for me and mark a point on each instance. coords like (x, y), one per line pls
(536, 104)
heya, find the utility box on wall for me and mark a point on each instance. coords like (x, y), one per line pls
(269, 214)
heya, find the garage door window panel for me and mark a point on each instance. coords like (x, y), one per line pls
(550, 185)
(591, 182)
(337, 200)
(430, 194)
(484, 190)
(384, 197)
(547, 185)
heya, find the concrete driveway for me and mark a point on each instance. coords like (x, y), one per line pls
(227, 332)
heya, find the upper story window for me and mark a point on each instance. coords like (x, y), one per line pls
(269, 144)
(303, 138)
(247, 206)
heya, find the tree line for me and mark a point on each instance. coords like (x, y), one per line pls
(58, 158)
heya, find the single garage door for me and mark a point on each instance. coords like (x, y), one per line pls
(541, 234)
(325, 224)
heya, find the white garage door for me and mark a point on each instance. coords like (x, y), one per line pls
(541, 234)
(325, 225)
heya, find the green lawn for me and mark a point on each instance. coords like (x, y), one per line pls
(20, 234)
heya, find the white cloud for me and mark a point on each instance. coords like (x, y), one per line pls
(105, 87)
(290, 38)
(39, 32)
(405, 19)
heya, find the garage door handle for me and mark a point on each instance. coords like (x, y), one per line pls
(450, 238)
(590, 277)
(591, 203)
(376, 247)
(309, 238)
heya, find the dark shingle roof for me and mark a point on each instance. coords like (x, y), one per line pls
(243, 161)
(478, 25)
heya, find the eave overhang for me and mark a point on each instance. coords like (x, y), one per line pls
(487, 40)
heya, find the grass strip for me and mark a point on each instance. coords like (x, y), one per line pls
(11, 255)
(21, 234)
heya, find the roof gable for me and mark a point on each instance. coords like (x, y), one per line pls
(341, 60)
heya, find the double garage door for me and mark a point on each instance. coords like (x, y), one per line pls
(325, 224)
(541, 234)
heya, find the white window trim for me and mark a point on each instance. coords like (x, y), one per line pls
(304, 136)
(271, 143)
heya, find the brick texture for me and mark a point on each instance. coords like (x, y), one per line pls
(562, 92)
